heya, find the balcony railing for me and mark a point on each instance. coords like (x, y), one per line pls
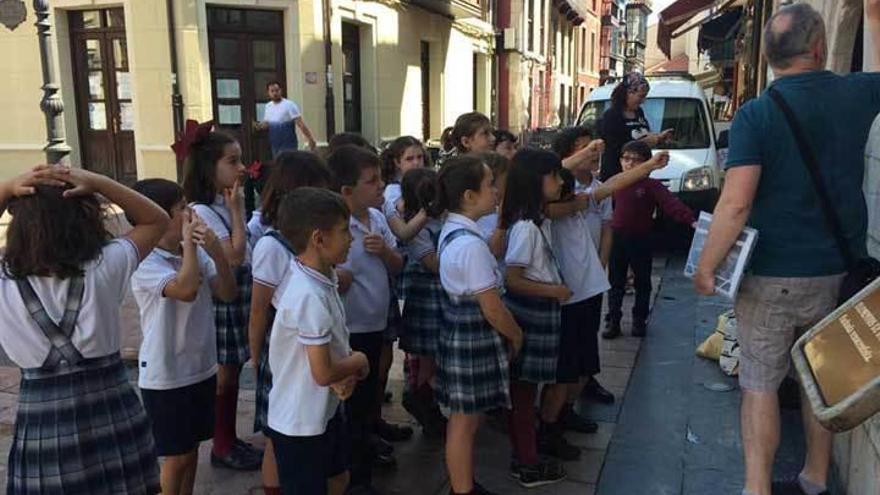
(457, 9)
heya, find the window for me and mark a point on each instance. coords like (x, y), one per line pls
(685, 115)
(582, 53)
(542, 27)
(530, 20)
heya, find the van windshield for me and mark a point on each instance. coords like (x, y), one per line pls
(685, 115)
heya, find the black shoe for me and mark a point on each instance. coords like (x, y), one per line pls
(414, 407)
(247, 448)
(378, 446)
(612, 330)
(540, 474)
(573, 421)
(382, 461)
(789, 487)
(595, 391)
(480, 490)
(435, 426)
(639, 329)
(238, 460)
(552, 443)
(393, 433)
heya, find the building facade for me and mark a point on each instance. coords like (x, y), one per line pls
(637, 12)
(613, 40)
(548, 61)
(383, 68)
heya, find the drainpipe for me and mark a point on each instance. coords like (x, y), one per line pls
(329, 105)
(176, 97)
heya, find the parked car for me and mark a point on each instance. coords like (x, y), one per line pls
(676, 101)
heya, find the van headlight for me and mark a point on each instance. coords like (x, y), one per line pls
(698, 179)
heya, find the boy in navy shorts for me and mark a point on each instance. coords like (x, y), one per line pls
(309, 354)
(178, 358)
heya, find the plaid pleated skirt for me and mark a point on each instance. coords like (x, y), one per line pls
(422, 311)
(81, 429)
(264, 380)
(472, 367)
(231, 319)
(541, 322)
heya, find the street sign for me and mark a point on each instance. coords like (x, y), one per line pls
(12, 13)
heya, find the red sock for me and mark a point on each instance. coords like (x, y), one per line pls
(233, 412)
(522, 422)
(222, 440)
(272, 490)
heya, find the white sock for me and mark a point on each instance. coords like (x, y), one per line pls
(810, 487)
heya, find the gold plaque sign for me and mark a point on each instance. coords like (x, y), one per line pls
(844, 352)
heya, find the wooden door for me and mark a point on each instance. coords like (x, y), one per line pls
(246, 52)
(103, 93)
(351, 76)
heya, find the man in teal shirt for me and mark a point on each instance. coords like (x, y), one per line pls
(796, 268)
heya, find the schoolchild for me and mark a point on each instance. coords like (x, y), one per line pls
(634, 208)
(535, 291)
(506, 144)
(480, 333)
(212, 184)
(489, 226)
(61, 286)
(177, 368)
(399, 157)
(314, 366)
(372, 261)
(422, 314)
(472, 133)
(271, 261)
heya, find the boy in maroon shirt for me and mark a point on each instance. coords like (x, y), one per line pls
(633, 218)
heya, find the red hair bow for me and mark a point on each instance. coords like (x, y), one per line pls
(255, 169)
(192, 132)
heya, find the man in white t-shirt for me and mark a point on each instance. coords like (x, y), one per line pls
(281, 118)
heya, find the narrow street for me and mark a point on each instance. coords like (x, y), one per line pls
(671, 433)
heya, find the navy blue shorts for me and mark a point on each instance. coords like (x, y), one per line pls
(182, 417)
(579, 342)
(305, 463)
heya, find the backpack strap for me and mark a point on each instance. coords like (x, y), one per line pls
(63, 351)
(455, 234)
(274, 234)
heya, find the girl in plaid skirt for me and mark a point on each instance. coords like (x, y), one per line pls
(472, 357)
(422, 315)
(80, 427)
(272, 256)
(212, 183)
(535, 291)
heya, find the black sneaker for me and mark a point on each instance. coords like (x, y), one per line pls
(789, 487)
(480, 490)
(393, 433)
(238, 460)
(247, 448)
(639, 329)
(573, 421)
(378, 446)
(612, 330)
(552, 443)
(540, 474)
(595, 391)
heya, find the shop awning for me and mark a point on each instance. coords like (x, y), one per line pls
(720, 29)
(575, 11)
(673, 19)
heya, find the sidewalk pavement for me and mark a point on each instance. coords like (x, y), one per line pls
(643, 444)
(678, 432)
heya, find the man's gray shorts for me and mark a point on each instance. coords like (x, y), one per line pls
(771, 312)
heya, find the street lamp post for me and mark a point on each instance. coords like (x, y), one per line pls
(51, 104)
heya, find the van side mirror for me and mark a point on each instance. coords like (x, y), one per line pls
(723, 139)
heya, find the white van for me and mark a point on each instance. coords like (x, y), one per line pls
(675, 101)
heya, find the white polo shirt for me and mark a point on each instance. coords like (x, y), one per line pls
(180, 340)
(283, 111)
(599, 213)
(255, 227)
(578, 258)
(97, 331)
(424, 243)
(467, 267)
(212, 216)
(530, 247)
(271, 264)
(368, 299)
(310, 313)
(392, 194)
(488, 224)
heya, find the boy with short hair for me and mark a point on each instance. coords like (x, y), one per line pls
(371, 262)
(178, 361)
(309, 354)
(633, 219)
